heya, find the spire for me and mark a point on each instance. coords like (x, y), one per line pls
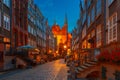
(66, 21)
(55, 23)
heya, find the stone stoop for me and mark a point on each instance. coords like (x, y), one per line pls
(82, 68)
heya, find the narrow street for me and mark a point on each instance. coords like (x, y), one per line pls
(55, 70)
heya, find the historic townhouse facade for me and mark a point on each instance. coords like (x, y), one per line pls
(41, 30)
(5, 24)
(13, 29)
(36, 27)
(91, 26)
(5, 31)
(112, 21)
(99, 31)
(75, 43)
(50, 40)
(32, 24)
(19, 23)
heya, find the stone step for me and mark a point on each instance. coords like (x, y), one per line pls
(68, 74)
(77, 71)
(93, 63)
(83, 67)
(80, 69)
(88, 65)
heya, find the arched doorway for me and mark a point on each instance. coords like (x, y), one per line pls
(93, 75)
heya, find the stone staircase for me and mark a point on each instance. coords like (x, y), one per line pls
(85, 66)
(80, 69)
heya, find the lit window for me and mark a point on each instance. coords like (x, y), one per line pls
(6, 22)
(7, 2)
(98, 37)
(7, 45)
(98, 5)
(89, 45)
(6, 40)
(112, 28)
(84, 44)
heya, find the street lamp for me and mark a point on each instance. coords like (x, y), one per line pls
(65, 47)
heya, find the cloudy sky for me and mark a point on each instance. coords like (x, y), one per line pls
(56, 10)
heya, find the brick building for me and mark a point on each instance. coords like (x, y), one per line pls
(19, 23)
(5, 35)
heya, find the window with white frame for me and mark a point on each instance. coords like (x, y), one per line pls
(7, 2)
(84, 32)
(88, 3)
(29, 28)
(92, 14)
(6, 22)
(0, 18)
(88, 20)
(98, 37)
(32, 30)
(84, 18)
(98, 7)
(93, 33)
(112, 28)
(110, 2)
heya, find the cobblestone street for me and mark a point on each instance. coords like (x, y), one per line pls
(55, 70)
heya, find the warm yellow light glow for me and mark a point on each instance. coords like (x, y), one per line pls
(6, 40)
(50, 51)
(54, 36)
(37, 50)
(56, 51)
(65, 46)
(68, 52)
(84, 44)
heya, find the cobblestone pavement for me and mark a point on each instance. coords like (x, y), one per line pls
(55, 70)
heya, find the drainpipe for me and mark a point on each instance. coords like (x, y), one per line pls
(104, 23)
(11, 51)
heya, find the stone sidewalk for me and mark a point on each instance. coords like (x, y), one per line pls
(55, 70)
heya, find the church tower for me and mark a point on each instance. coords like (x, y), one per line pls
(65, 26)
(66, 21)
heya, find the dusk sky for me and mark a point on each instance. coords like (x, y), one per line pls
(56, 10)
